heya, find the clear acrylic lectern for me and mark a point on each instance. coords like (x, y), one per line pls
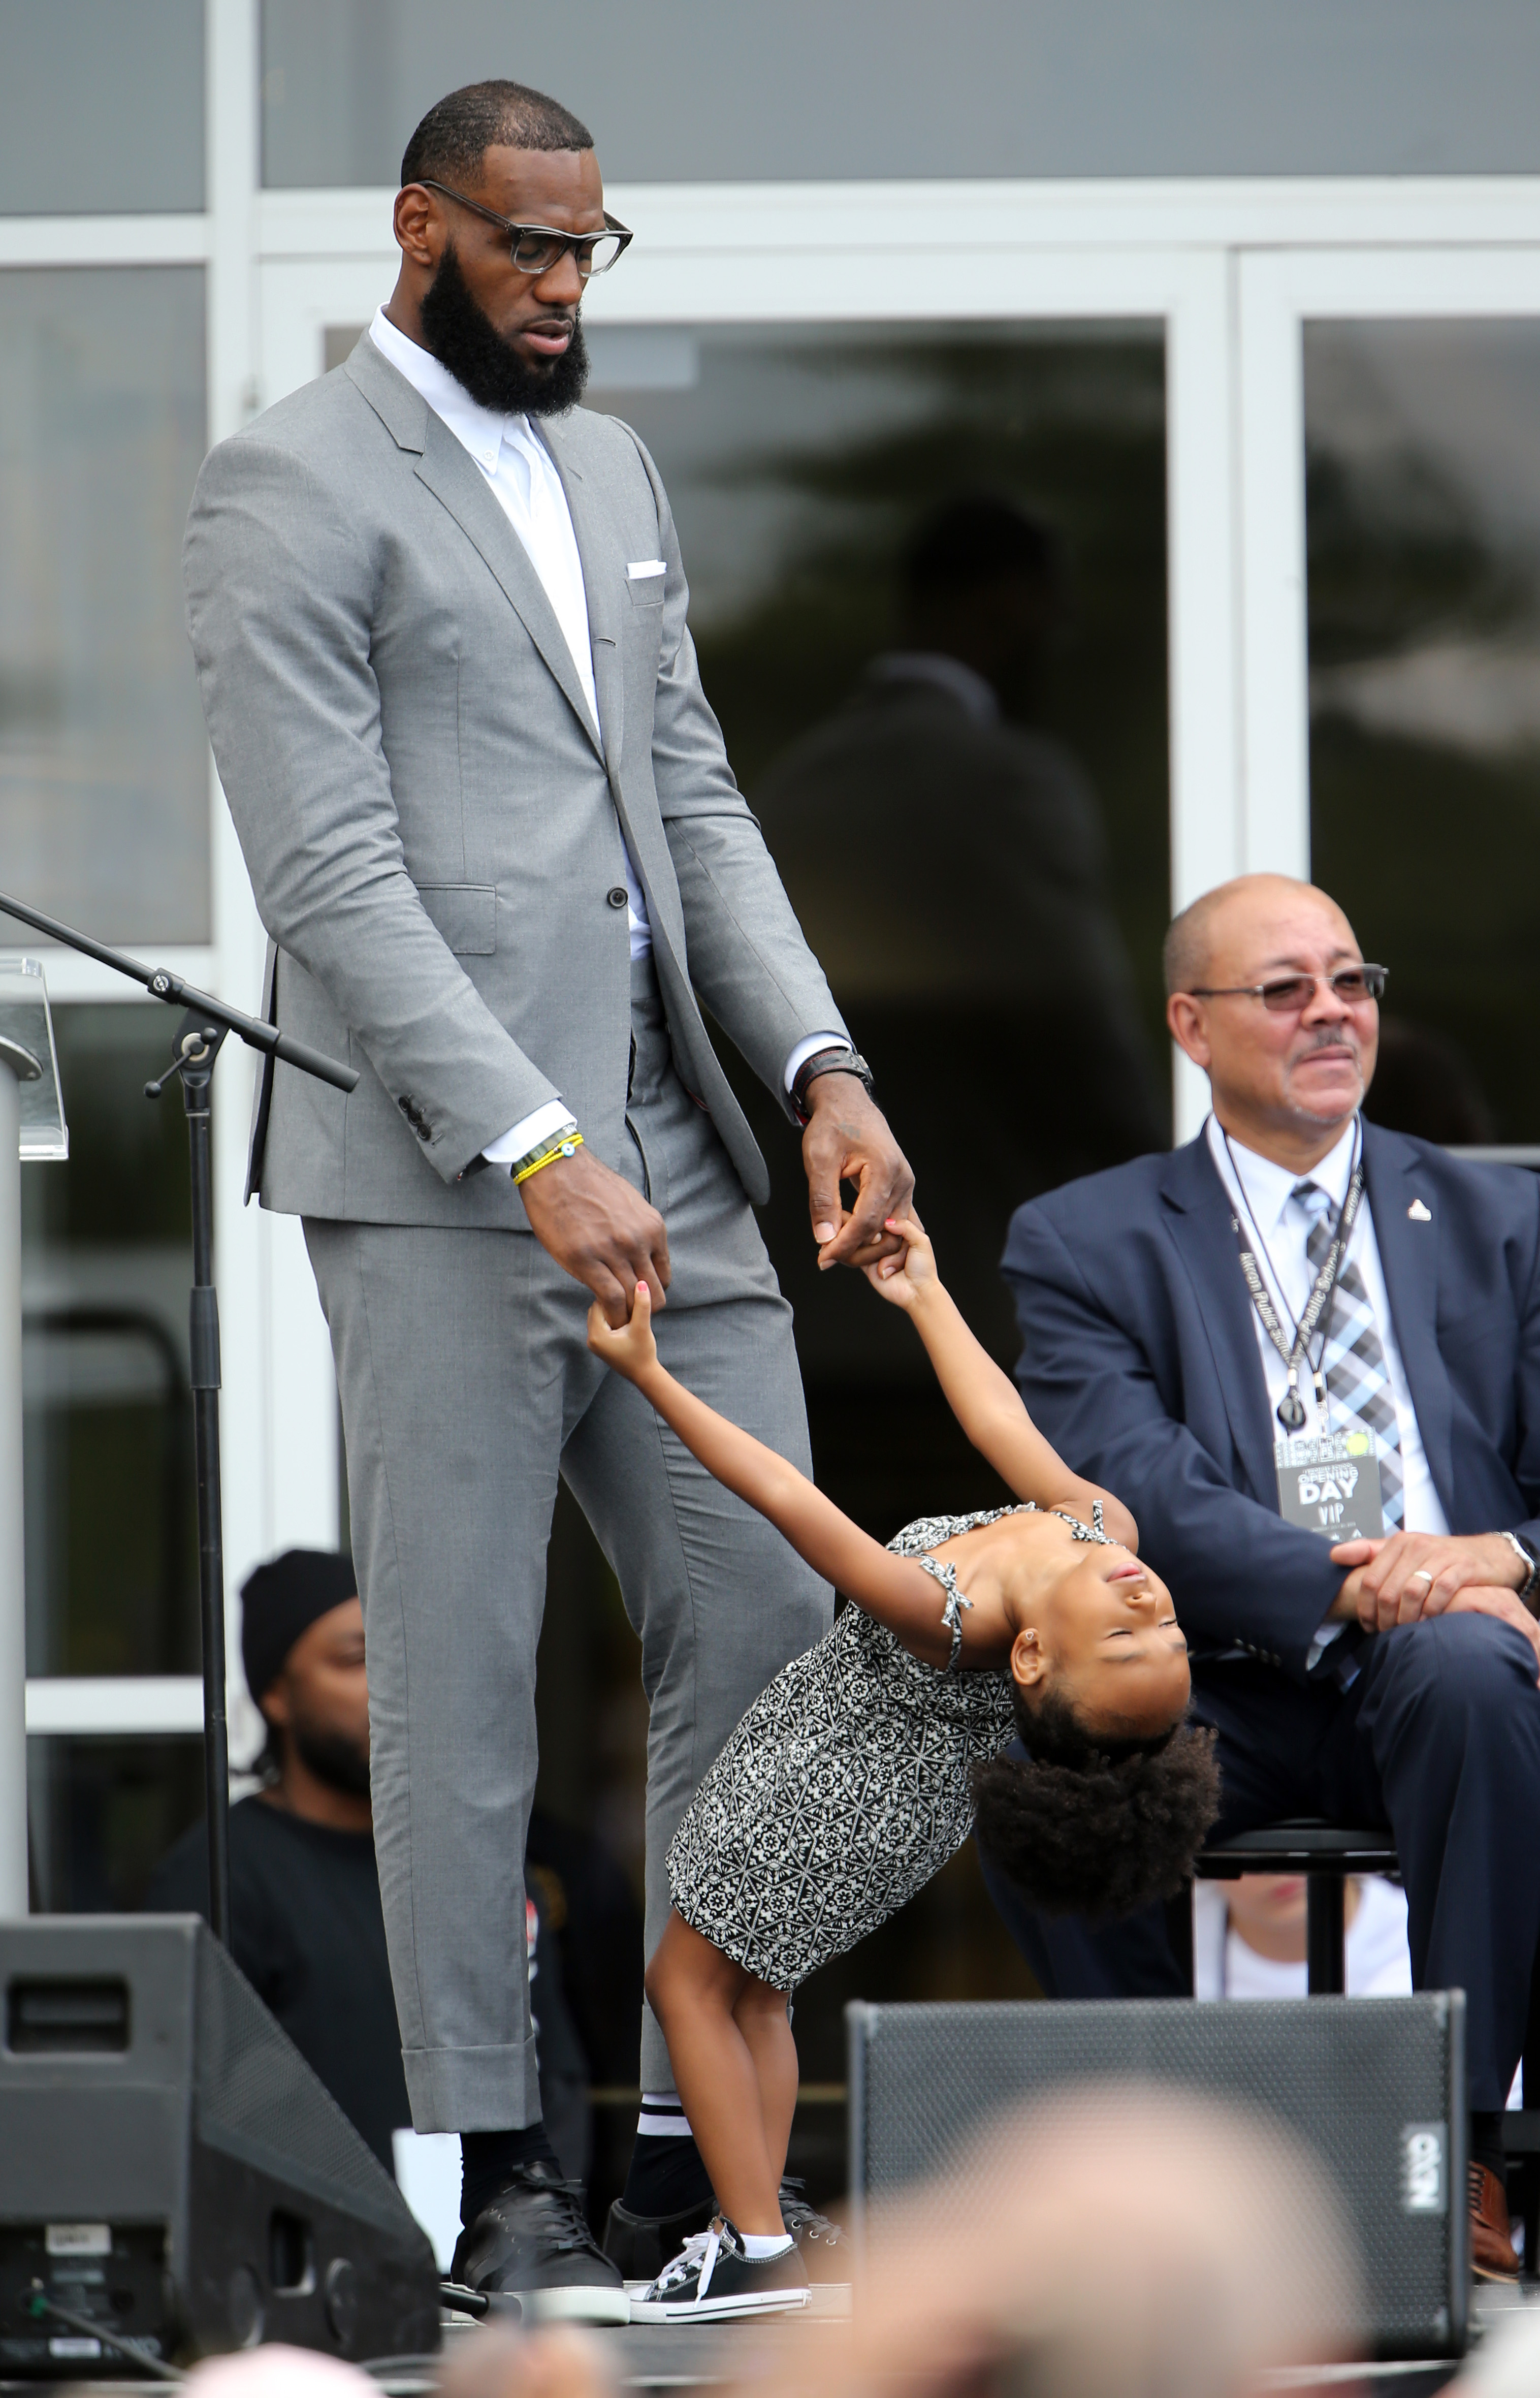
(31, 1126)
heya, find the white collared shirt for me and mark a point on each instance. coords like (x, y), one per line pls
(526, 487)
(1282, 1260)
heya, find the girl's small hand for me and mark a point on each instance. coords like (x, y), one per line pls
(631, 1350)
(902, 1280)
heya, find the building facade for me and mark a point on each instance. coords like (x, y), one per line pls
(1244, 307)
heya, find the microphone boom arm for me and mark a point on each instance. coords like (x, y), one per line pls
(170, 988)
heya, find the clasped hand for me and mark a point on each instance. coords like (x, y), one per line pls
(1412, 1577)
(846, 1139)
(606, 1236)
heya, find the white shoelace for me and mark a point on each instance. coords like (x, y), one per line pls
(698, 2255)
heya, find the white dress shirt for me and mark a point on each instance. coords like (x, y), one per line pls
(1285, 1267)
(526, 487)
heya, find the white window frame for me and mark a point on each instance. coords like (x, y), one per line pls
(1280, 292)
(1233, 267)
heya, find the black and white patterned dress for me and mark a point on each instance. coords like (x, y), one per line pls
(846, 1786)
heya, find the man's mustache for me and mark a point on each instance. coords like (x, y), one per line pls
(1323, 1041)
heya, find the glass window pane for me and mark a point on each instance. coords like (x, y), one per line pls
(683, 92)
(101, 1816)
(983, 877)
(111, 1511)
(104, 776)
(1423, 522)
(100, 107)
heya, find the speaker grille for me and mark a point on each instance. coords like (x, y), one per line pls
(1360, 2081)
(259, 2099)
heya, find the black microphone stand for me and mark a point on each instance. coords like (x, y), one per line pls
(199, 1038)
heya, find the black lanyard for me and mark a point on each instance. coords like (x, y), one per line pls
(1290, 1407)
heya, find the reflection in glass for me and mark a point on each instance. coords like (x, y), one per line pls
(110, 1521)
(978, 849)
(1423, 524)
(101, 1816)
(103, 763)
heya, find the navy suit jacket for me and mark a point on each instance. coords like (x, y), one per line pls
(1140, 1363)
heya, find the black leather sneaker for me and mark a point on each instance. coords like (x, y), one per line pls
(824, 2247)
(533, 2239)
(640, 2245)
(713, 2280)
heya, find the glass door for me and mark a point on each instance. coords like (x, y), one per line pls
(1409, 651)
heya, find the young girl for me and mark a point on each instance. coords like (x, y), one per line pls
(857, 1773)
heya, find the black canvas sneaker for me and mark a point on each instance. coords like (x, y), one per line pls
(824, 2247)
(640, 2245)
(713, 2280)
(533, 2239)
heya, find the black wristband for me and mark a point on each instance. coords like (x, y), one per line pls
(827, 1061)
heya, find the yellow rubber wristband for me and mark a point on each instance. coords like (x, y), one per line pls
(563, 1148)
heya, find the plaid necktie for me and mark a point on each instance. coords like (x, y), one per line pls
(1354, 1364)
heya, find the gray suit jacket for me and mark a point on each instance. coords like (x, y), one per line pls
(431, 821)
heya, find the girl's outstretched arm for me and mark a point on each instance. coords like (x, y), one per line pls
(897, 1591)
(986, 1401)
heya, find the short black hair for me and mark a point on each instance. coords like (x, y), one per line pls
(457, 130)
(1090, 1826)
(981, 537)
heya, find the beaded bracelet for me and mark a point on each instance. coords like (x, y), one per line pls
(566, 1147)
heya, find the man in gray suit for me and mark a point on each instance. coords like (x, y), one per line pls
(440, 618)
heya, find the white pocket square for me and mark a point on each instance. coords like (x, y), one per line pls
(640, 568)
(1419, 1214)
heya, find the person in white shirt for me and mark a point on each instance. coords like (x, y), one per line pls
(1304, 1350)
(1249, 1938)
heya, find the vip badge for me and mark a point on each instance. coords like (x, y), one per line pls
(1330, 1483)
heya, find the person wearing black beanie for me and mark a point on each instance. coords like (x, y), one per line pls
(306, 1922)
(308, 1931)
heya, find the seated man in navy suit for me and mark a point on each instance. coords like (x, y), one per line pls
(1333, 1447)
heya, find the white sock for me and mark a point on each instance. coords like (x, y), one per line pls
(757, 2246)
(661, 2116)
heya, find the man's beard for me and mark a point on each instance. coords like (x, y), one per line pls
(333, 1758)
(463, 338)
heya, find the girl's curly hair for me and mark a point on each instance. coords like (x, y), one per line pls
(1093, 1826)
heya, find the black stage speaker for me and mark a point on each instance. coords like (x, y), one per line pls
(1375, 2086)
(171, 2169)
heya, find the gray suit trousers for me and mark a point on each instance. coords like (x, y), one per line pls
(466, 1387)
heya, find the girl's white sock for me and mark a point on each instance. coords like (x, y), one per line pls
(759, 2245)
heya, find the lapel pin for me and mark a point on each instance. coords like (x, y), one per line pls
(1419, 1214)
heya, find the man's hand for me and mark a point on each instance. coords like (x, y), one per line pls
(600, 1231)
(1413, 1575)
(848, 1140)
(1473, 1600)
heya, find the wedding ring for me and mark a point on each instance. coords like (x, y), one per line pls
(1422, 1574)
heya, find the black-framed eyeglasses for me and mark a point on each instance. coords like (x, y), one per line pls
(1354, 986)
(536, 248)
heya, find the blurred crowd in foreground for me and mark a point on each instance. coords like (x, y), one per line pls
(1227, 2259)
